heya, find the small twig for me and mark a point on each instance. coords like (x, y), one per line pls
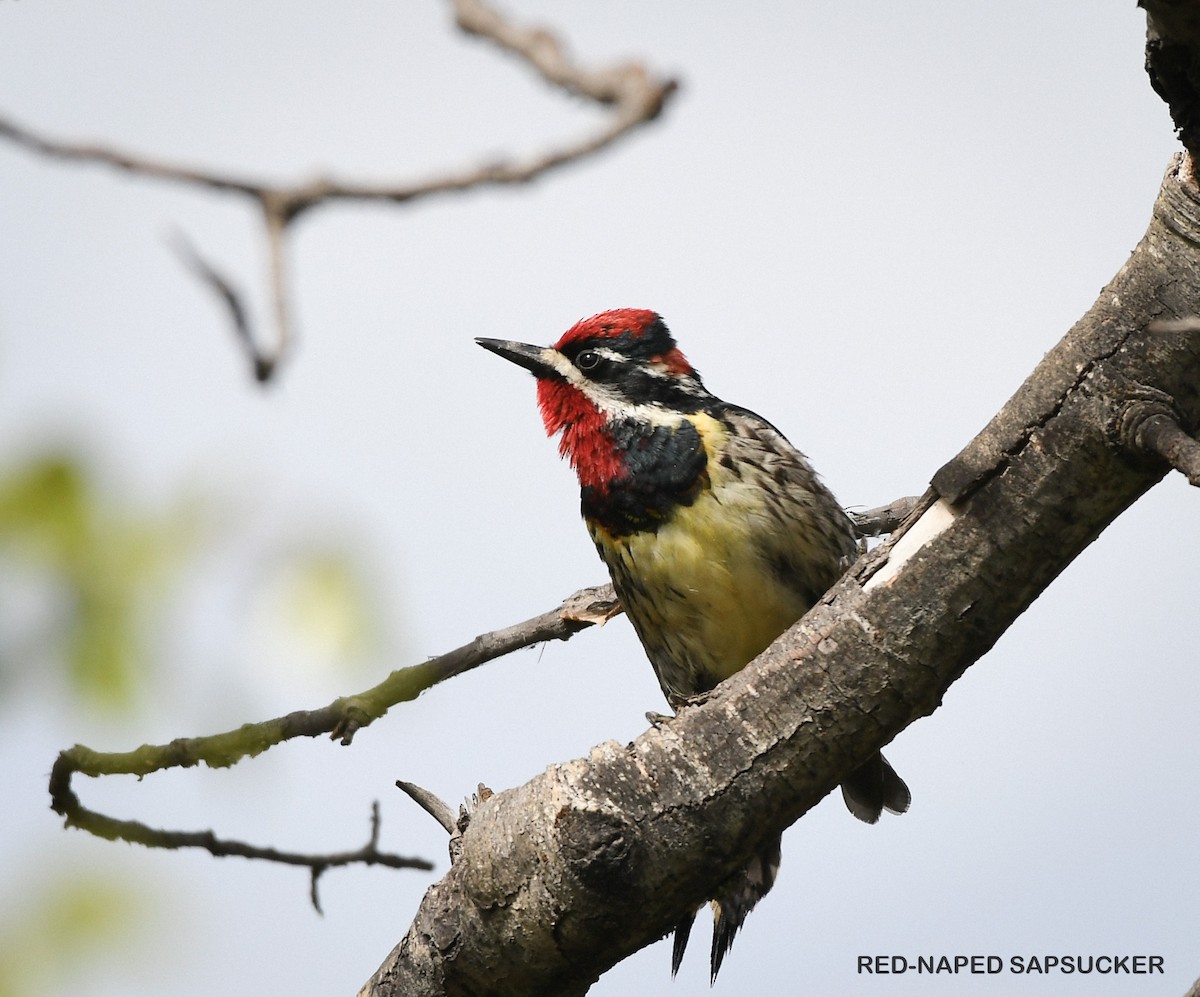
(440, 811)
(225, 291)
(432, 804)
(276, 219)
(369, 854)
(885, 518)
(1159, 434)
(96, 152)
(1147, 421)
(138, 833)
(635, 95)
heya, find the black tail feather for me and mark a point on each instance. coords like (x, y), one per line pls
(682, 932)
(874, 787)
(869, 790)
(738, 897)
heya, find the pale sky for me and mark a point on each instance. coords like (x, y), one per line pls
(867, 224)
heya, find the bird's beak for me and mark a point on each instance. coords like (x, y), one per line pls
(533, 358)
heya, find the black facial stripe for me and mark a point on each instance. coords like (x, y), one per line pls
(640, 386)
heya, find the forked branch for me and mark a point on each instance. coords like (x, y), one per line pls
(341, 719)
(634, 94)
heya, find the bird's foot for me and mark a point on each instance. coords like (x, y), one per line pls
(697, 699)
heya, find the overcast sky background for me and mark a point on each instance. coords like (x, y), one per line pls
(866, 222)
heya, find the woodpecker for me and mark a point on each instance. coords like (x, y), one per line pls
(716, 531)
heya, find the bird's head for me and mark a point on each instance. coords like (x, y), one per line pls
(620, 366)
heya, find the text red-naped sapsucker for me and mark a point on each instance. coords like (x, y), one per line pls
(716, 531)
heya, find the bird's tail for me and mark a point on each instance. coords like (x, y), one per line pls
(736, 899)
(874, 787)
(869, 790)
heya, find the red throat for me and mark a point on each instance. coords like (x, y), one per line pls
(585, 441)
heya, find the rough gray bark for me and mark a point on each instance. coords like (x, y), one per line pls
(561, 878)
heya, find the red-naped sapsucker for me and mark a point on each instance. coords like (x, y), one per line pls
(716, 531)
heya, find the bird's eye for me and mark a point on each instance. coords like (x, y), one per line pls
(588, 360)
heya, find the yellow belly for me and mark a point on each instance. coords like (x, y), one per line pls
(724, 575)
(703, 592)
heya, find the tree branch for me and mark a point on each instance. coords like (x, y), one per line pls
(635, 95)
(341, 719)
(561, 878)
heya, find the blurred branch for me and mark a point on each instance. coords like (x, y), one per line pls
(225, 291)
(341, 719)
(635, 95)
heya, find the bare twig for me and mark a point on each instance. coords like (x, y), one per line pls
(1162, 435)
(635, 95)
(138, 833)
(369, 854)
(434, 805)
(1148, 423)
(440, 811)
(885, 518)
(261, 364)
(96, 152)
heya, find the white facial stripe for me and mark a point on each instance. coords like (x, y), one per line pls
(606, 397)
(610, 354)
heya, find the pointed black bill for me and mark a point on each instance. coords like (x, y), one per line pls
(532, 358)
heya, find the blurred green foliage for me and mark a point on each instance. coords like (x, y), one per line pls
(100, 571)
(85, 573)
(91, 572)
(62, 925)
(315, 611)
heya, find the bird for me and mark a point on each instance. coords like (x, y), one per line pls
(716, 531)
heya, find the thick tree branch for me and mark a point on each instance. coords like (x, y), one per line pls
(561, 878)
(634, 94)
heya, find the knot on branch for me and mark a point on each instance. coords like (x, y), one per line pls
(1141, 405)
(600, 848)
(1146, 424)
